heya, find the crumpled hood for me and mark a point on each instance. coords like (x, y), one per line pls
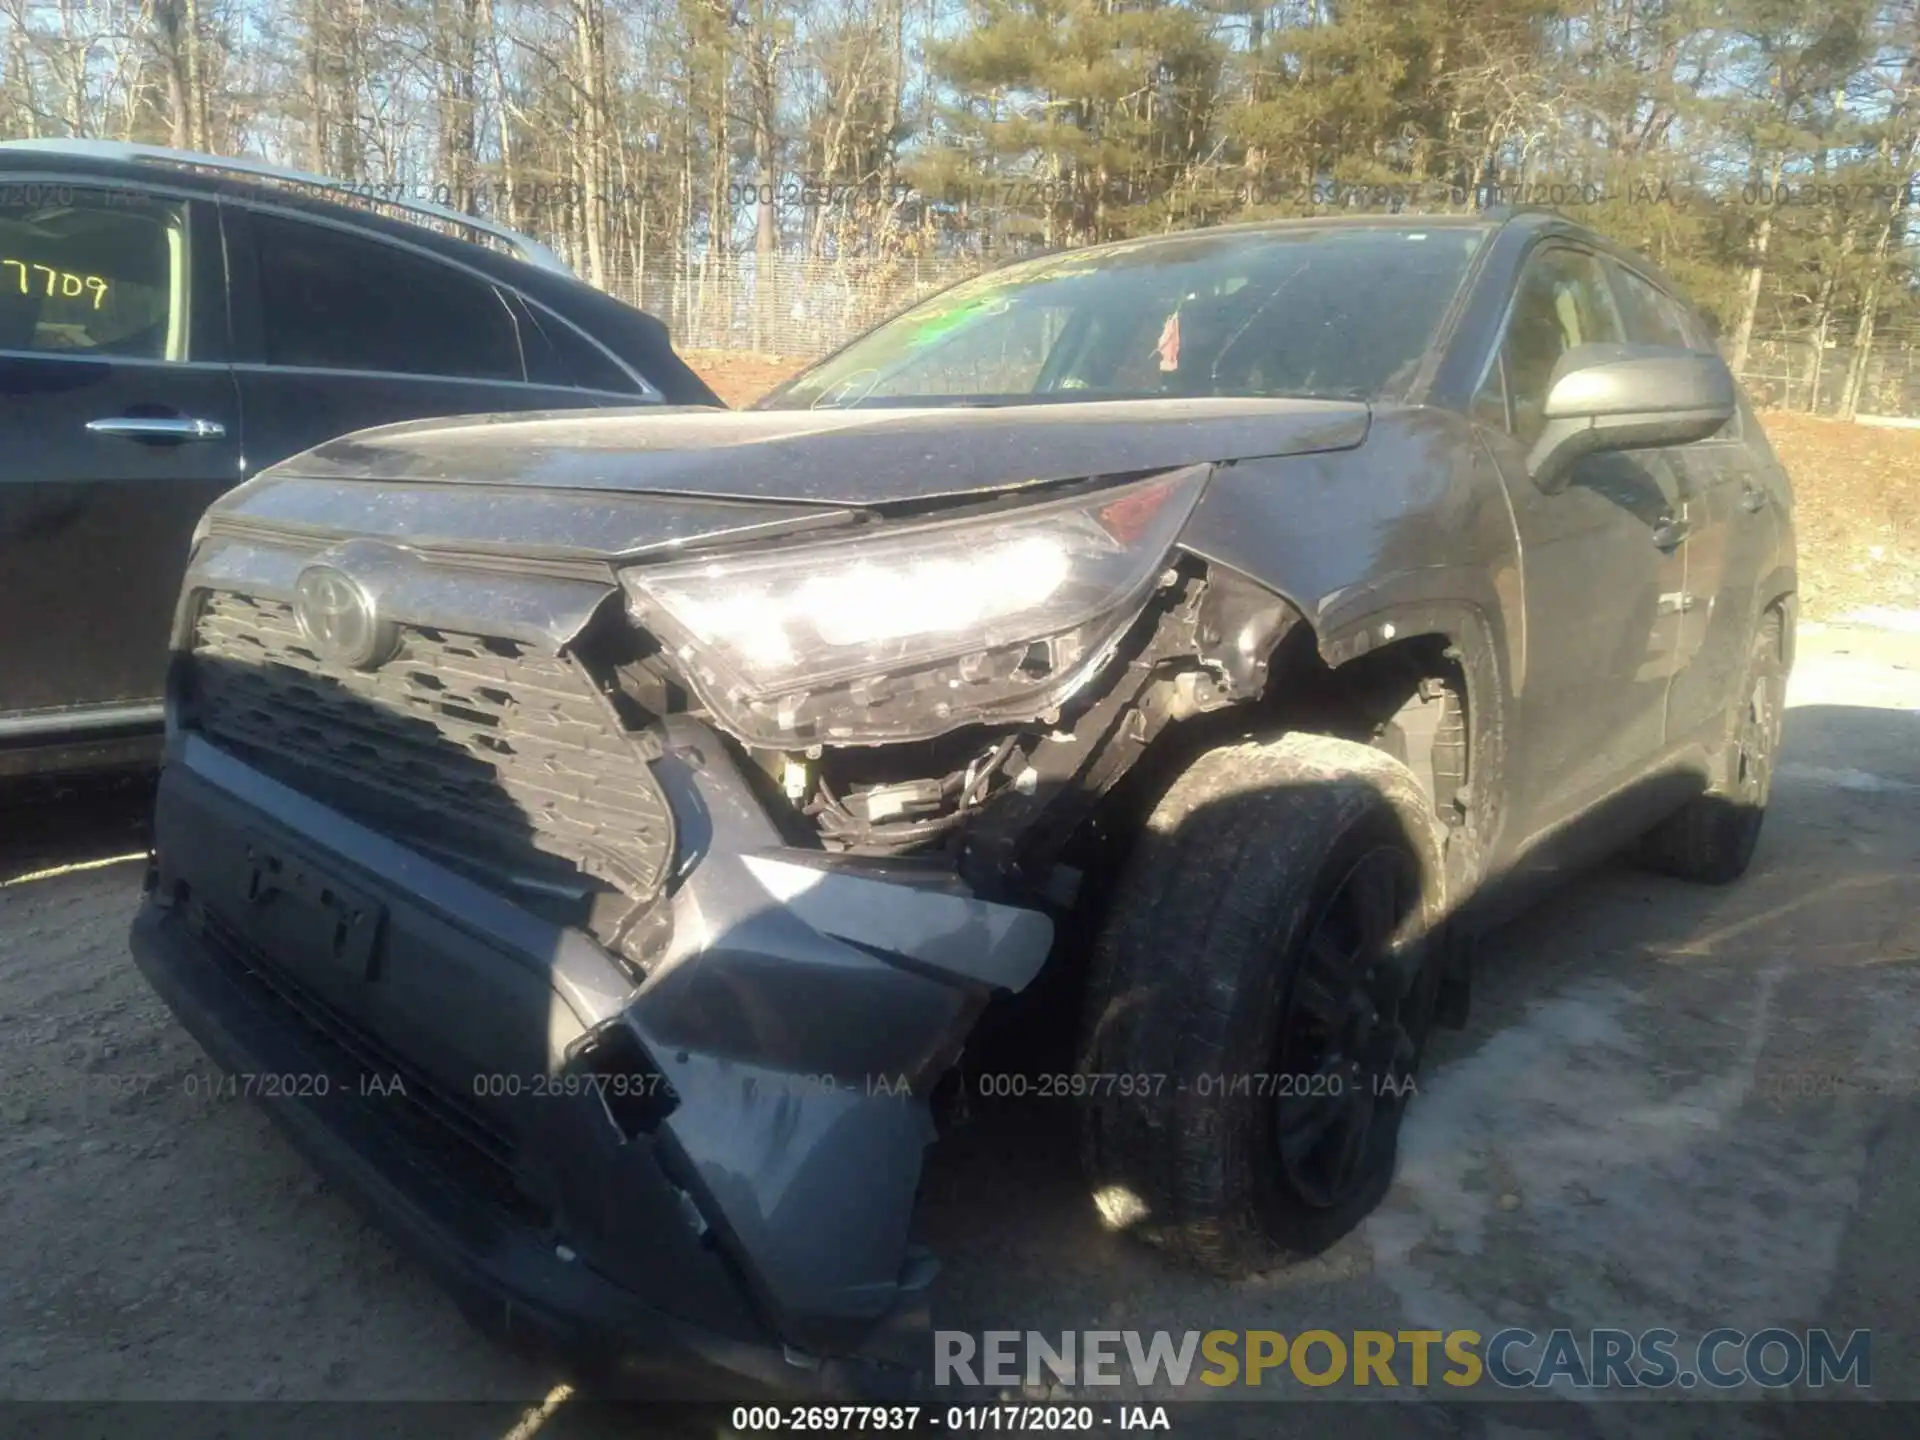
(852, 458)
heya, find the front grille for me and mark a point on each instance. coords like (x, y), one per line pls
(484, 751)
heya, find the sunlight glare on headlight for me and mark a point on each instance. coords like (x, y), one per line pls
(934, 597)
(865, 603)
(905, 628)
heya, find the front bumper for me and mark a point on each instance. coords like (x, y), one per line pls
(722, 1205)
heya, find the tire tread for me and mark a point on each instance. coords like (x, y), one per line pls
(1190, 933)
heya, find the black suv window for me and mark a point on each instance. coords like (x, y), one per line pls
(1653, 317)
(1650, 317)
(93, 275)
(335, 301)
(557, 354)
(1562, 302)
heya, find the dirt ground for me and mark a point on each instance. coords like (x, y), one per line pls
(1619, 1137)
(1857, 486)
(741, 379)
(1858, 521)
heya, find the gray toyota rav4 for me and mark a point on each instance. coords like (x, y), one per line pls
(601, 833)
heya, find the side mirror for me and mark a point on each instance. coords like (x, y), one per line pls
(1627, 397)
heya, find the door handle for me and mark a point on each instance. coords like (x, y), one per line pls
(1752, 498)
(157, 427)
(1670, 531)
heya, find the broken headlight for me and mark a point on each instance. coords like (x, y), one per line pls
(907, 632)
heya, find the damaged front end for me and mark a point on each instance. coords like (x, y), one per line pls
(633, 904)
(894, 687)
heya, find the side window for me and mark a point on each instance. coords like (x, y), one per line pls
(1562, 301)
(335, 301)
(1650, 317)
(557, 354)
(84, 273)
(1700, 335)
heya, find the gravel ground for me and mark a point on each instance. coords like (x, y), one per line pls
(1617, 1138)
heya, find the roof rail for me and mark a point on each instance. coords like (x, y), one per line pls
(523, 246)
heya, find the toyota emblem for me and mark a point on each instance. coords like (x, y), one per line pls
(338, 618)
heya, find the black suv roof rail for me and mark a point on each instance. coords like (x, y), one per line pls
(128, 152)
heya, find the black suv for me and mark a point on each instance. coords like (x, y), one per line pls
(171, 324)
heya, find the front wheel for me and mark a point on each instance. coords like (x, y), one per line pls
(1265, 981)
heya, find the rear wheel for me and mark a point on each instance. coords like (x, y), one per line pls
(1712, 838)
(1261, 994)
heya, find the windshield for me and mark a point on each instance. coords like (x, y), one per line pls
(1334, 313)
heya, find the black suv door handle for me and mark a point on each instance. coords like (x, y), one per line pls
(1670, 531)
(157, 427)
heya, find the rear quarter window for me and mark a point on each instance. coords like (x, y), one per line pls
(558, 354)
(332, 300)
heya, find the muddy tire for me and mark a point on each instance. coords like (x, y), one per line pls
(1260, 995)
(1711, 839)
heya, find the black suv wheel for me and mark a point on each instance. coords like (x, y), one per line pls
(1260, 997)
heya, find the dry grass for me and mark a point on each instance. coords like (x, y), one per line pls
(1858, 490)
(1858, 511)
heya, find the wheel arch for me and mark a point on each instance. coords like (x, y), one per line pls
(1346, 665)
(1443, 638)
(1278, 670)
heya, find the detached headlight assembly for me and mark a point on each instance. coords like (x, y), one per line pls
(913, 630)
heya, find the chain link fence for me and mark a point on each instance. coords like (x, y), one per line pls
(1796, 372)
(802, 308)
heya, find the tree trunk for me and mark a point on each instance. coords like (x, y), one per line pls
(1756, 273)
(763, 58)
(590, 153)
(196, 96)
(344, 60)
(1823, 322)
(26, 117)
(314, 78)
(455, 49)
(509, 210)
(1900, 148)
(1869, 307)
